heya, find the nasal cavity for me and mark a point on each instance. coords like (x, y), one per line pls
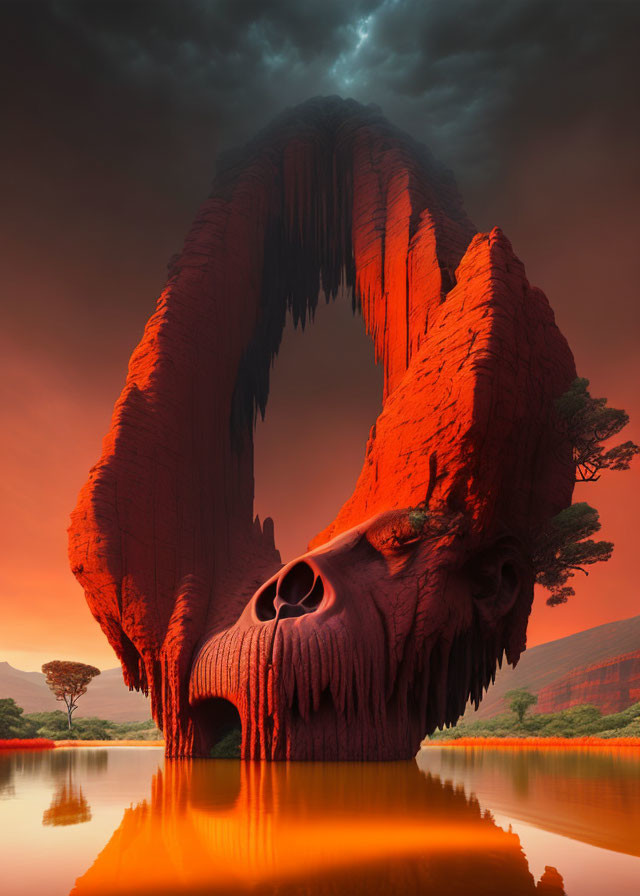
(265, 609)
(296, 583)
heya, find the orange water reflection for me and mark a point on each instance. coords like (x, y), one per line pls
(589, 794)
(224, 826)
(481, 822)
(68, 806)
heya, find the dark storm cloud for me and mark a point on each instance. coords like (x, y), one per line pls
(469, 78)
(113, 113)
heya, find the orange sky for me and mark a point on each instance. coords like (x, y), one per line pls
(57, 417)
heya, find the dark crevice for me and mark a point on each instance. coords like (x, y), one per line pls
(313, 599)
(296, 583)
(290, 611)
(265, 609)
(220, 727)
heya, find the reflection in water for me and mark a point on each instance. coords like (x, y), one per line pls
(45, 859)
(68, 806)
(229, 827)
(550, 883)
(50, 765)
(590, 795)
(314, 828)
(7, 789)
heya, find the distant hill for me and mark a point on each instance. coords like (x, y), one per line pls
(612, 685)
(107, 697)
(546, 663)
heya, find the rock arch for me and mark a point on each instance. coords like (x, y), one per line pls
(163, 538)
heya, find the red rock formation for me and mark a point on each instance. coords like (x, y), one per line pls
(381, 632)
(612, 686)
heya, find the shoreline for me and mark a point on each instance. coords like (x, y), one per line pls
(469, 742)
(107, 743)
(554, 742)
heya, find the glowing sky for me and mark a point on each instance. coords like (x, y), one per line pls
(114, 113)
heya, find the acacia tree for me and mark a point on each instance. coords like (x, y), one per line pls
(519, 701)
(69, 681)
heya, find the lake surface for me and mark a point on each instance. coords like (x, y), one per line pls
(457, 821)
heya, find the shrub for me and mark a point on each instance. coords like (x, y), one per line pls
(13, 722)
(229, 745)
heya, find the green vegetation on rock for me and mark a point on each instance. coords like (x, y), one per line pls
(587, 423)
(563, 546)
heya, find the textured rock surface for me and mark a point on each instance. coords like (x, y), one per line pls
(385, 629)
(612, 686)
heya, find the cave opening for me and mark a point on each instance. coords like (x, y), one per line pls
(221, 725)
(325, 393)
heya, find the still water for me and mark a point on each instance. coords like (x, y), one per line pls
(457, 821)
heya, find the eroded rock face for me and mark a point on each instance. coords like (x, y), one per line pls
(612, 685)
(395, 617)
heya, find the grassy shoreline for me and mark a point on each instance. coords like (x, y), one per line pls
(107, 743)
(537, 742)
(43, 743)
(578, 723)
(469, 742)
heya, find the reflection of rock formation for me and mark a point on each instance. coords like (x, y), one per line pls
(68, 806)
(612, 685)
(381, 633)
(309, 828)
(551, 883)
(590, 795)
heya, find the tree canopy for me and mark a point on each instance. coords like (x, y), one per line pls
(519, 701)
(69, 681)
(563, 548)
(588, 422)
(12, 721)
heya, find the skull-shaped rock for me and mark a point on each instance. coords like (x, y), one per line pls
(362, 645)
